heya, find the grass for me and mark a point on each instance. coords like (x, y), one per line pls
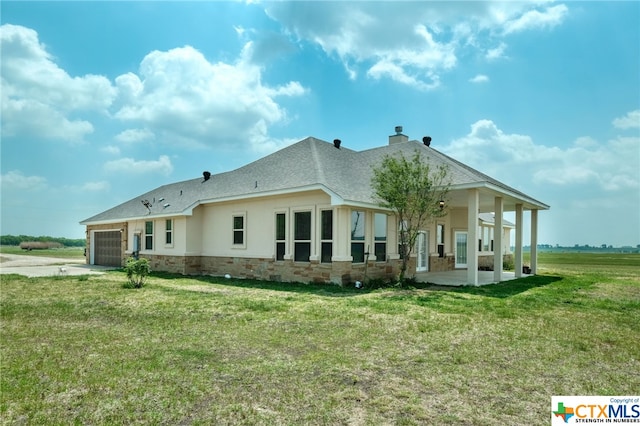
(185, 350)
(64, 252)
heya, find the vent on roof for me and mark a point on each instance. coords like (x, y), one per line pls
(398, 130)
(426, 140)
(206, 176)
(336, 143)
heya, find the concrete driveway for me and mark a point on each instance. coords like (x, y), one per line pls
(37, 266)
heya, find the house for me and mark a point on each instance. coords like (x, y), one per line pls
(306, 213)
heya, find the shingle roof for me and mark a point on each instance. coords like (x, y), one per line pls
(310, 163)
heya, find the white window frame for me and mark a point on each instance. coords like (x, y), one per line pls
(169, 232)
(243, 215)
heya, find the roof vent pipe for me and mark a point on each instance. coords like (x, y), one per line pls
(426, 140)
(336, 143)
(398, 130)
(206, 176)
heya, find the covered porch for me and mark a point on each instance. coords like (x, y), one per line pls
(459, 277)
(485, 197)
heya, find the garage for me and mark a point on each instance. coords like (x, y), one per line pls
(107, 248)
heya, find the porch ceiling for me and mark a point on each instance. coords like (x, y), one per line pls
(459, 198)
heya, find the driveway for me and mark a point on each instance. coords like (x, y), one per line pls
(37, 266)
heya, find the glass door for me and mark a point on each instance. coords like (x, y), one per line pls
(461, 249)
(422, 252)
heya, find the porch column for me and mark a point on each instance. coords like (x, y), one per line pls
(534, 241)
(472, 237)
(498, 250)
(342, 225)
(518, 259)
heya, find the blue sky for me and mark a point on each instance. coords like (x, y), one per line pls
(103, 101)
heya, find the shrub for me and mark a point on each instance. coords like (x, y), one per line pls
(39, 245)
(137, 271)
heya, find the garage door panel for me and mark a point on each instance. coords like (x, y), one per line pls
(107, 248)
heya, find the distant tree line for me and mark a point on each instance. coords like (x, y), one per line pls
(16, 240)
(582, 248)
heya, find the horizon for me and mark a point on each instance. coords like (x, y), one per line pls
(104, 101)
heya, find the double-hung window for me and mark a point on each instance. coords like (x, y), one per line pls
(168, 232)
(380, 237)
(357, 236)
(301, 236)
(281, 235)
(148, 235)
(326, 236)
(239, 229)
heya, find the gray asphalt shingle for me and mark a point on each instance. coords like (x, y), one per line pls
(311, 161)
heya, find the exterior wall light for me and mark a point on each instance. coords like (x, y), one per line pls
(441, 204)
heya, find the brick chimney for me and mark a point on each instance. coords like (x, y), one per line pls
(398, 137)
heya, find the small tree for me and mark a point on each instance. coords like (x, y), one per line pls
(137, 271)
(415, 193)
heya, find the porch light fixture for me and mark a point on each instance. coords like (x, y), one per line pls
(441, 204)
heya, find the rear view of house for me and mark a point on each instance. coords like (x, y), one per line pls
(307, 213)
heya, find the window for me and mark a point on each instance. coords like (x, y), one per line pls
(281, 235)
(148, 235)
(302, 236)
(357, 236)
(168, 232)
(440, 239)
(238, 230)
(326, 236)
(380, 237)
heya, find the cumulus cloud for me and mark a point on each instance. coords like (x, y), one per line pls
(612, 166)
(134, 135)
(480, 78)
(629, 121)
(550, 17)
(16, 180)
(41, 99)
(130, 166)
(496, 52)
(410, 43)
(186, 99)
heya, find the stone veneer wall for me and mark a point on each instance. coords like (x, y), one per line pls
(268, 269)
(441, 264)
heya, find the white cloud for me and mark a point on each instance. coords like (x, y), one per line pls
(629, 121)
(134, 135)
(612, 166)
(496, 52)
(532, 19)
(16, 180)
(38, 97)
(111, 149)
(412, 43)
(480, 78)
(130, 166)
(183, 98)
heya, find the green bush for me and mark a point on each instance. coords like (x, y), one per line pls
(137, 271)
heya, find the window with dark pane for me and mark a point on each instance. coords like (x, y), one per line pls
(302, 236)
(326, 235)
(281, 235)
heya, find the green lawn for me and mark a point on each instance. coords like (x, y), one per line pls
(64, 252)
(84, 350)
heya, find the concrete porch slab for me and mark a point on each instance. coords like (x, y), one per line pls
(459, 277)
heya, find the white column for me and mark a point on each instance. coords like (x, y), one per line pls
(472, 237)
(518, 259)
(534, 241)
(498, 250)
